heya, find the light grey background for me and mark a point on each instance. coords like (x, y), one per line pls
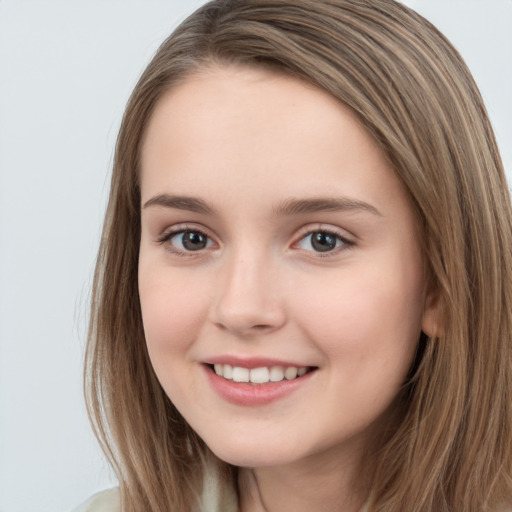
(66, 70)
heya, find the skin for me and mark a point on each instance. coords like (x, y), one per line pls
(246, 142)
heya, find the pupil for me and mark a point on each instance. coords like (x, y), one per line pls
(194, 241)
(323, 242)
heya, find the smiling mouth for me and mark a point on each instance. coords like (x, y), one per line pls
(261, 375)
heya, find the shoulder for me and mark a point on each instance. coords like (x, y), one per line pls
(105, 501)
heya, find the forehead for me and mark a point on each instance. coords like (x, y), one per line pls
(262, 133)
(241, 97)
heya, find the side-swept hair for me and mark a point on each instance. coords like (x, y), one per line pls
(450, 449)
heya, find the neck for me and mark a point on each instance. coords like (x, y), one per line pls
(319, 485)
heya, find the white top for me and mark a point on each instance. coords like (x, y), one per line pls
(109, 501)
(211, 500)
(105, 501)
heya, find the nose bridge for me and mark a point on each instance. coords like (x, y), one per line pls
(248, 297)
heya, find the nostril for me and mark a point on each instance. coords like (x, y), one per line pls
(244, 326)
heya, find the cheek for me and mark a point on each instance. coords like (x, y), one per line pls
(171, 308)
(365, 315)
(172, 313)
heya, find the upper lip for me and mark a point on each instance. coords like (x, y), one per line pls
(252, 362)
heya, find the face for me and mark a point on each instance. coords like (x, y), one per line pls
(279, 248)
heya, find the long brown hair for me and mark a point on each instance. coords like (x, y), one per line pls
(451, 448)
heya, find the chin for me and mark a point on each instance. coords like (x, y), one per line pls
(252, 455)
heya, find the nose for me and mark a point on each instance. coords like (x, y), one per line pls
(250, 297)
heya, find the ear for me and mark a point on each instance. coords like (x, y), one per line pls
(431, 322)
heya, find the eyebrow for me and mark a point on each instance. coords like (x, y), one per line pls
(286, 208)
(324, 204)
(191, 204)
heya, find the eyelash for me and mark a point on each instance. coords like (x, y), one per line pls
(168, 235)
(345, 243)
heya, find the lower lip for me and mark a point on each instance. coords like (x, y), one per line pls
(242, 393)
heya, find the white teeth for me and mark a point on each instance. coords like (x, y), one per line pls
(276, 374)
(227, 371)
(260, 375)
(240, 374)
(290, 373)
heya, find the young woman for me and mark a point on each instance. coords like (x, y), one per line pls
(303, 296)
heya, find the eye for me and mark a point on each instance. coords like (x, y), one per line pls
(322, 241)
(187, 240)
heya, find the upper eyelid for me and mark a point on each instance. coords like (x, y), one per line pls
(173, 230)
(309, 229)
